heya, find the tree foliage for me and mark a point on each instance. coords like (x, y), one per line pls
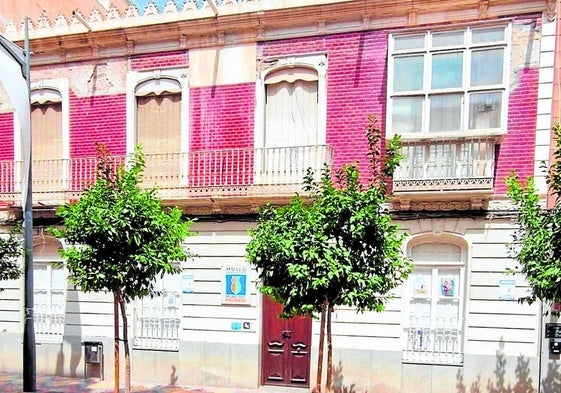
(121, 239)
(121, 236)
(337, 248)
(536, 245)
(10, 252)
(341, 247)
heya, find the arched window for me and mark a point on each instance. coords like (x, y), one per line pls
(434, 303)
(49, 282)
(290, 118)
(50, 134)
(291, 110)
(157, 119)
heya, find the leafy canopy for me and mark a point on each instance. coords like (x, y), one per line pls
(536, 245)
(121, 235)
(10, 252)
(340, 247)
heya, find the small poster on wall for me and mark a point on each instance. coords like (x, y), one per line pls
(235, 281)
(448, 286)
(507, 289)
(421, 285)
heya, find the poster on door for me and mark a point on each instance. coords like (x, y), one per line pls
(235, 281)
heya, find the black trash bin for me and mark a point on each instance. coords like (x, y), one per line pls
(93, 359)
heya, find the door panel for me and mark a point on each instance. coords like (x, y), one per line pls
(285, 348)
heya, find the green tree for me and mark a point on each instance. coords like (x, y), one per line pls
(121, 239)
(10, 252)
(536, 245)
(338, 248)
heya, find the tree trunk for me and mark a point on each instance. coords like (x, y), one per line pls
(329, 382)
(320, 348)
(116, 343)
(126, 343)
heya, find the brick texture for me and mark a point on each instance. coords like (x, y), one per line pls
(97, 119)
(159, 60)
(222, 117)
(516, 151)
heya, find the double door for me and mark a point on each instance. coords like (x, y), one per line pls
(285, 348)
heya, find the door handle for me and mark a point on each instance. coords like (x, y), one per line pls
(286, 334)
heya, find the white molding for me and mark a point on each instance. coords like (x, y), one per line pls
(315, 61)
(144, 78)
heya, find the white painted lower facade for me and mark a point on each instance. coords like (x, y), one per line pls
(219, 343)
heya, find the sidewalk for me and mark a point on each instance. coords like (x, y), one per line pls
(13, 383)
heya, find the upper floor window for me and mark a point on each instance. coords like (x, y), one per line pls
(434, 304)
(445, 83)
(50, 131)
(157, 119)
(290, 118)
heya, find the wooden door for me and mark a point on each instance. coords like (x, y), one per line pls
(285, 358)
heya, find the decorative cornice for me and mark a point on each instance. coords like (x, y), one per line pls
(124, 32)
(551, 10)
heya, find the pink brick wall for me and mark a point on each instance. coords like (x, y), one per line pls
(160, 60)
(356, 79)
(97, 119)
(356, 86)
(222, 117)
(6, 136)
(516, 151)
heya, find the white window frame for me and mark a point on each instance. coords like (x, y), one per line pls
(144, 325)
(467, 48)
(55, 332)
(54, 90)
(295, 173)
(148, 80)
(318, 62)
(451, 340)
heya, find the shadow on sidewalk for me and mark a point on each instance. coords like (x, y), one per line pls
(13, 383)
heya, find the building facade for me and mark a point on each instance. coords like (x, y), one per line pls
(232, 101)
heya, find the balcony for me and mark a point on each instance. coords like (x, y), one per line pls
(183, 179)
(460, 170)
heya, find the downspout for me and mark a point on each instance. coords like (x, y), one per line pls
(552, 12)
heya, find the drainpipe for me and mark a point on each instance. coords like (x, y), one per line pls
(552, 12)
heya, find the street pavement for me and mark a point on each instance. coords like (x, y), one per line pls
(13, 383)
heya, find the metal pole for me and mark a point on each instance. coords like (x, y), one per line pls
(29, 355)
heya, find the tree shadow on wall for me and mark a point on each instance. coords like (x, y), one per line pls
(551, 382)
(524, 383)
(338, 385)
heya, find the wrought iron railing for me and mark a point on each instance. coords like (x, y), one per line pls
(438, 345)
(462, 164)
(227, 172)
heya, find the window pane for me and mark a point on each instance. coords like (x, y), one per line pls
(445, 112)
(493, 34)
(409, 42)
(408, 73)
(447, 70)
(487, 67)
(485, 110)
(407, 113)
(448, 39)
(422, 283)
(420, 312)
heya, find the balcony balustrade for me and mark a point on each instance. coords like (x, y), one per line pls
(177, 176)
(451, 165)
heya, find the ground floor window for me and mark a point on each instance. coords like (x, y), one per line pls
(434, 298)
(49, 297)
(157, 319)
